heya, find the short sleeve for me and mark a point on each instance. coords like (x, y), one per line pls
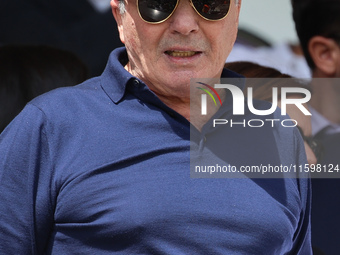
(26, 211)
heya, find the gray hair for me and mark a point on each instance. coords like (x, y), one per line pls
(121, 7)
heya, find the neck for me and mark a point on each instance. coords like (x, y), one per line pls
(180, 105)
(190, 107)
(185, 101)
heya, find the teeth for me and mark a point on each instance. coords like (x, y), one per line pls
(181, 54)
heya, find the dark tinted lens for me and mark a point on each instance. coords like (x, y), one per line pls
(156, 10)
(212, 9)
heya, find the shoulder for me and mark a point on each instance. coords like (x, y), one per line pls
(66, 107)
(64, 94)
(71, 100)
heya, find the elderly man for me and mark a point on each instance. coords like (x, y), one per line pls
(104, 167)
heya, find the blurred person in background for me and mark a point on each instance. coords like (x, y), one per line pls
(318, 27)
(271, 41)
(287, 58)
(262, 90)
(317, 24)
(29, 71)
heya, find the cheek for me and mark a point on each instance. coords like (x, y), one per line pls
(142, 37)
(223, 45)
(227, 33)
(130, 33)
(134, 43)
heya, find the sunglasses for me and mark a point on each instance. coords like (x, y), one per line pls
(157, 11)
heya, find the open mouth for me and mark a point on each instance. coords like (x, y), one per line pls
(181, 54)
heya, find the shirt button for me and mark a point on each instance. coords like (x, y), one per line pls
(136, 82)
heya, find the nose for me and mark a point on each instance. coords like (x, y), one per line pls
(185, 19)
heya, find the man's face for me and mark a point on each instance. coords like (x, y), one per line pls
(166, 55)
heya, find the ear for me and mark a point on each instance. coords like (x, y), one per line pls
(239, 3)
(325, 54)
(238, 9)
(239, 6)
(118, 17)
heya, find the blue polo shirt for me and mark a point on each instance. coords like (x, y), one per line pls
(103, 168)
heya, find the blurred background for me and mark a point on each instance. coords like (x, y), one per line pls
(267, 37)
(270, 20)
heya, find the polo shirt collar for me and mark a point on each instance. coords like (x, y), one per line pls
(115, 78)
